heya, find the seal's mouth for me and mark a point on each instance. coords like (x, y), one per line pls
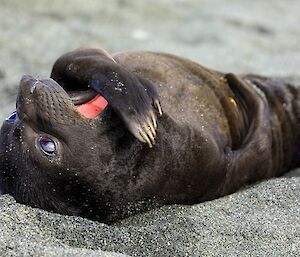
(88, 102)
(92, 108)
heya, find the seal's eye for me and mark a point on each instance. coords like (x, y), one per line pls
(47, 145)
(11, 117)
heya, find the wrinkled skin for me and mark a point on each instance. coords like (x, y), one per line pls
(217, 133)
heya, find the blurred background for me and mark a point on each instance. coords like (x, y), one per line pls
(257, 36)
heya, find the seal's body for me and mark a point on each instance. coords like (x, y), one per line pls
(218, 133)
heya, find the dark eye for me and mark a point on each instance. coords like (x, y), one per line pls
(47, 145)
(11, 117)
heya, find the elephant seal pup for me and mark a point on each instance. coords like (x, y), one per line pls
(218, 132)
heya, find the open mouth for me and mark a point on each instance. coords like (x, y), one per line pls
(49, 96)
(88, 102)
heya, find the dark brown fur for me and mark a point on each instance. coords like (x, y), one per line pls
(218, 133)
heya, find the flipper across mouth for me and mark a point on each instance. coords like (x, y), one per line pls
(133, 98)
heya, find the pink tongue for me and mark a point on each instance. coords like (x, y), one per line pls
(92, 108)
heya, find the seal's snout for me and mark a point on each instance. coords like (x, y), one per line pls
(45, 101)
(28, 79)
(28, 83)
(24, 104)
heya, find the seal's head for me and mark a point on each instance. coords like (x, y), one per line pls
(50, 152)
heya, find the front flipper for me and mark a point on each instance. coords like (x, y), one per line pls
(130, 96)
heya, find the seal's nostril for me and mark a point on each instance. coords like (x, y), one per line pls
(33, 86)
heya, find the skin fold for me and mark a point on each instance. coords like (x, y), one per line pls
(217, 133)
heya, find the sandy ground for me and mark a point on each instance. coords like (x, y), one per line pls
(239, 36)
(263, 220)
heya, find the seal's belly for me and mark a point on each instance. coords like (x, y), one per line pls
(190, 102)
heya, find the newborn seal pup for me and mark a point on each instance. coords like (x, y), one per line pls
(218, 132)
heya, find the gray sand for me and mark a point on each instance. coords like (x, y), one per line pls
(238, 36)
(262, 220)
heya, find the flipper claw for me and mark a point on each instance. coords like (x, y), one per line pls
(153, 120)
(152, 128)
(149, 133)
(145, 137)
(158, 107)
